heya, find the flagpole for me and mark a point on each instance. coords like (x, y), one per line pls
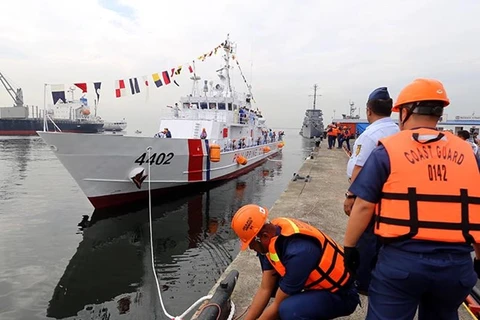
(44, 107)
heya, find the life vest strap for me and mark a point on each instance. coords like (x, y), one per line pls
(416, 137)
(414, 223)
(325, 275)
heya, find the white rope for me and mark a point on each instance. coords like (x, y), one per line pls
(208, 297)
(232, 310)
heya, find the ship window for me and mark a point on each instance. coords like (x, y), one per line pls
(221, 106)
(186, 105)
(230, 106)
(235, 107)
(212, 105)
(203, 105)
(194, 106)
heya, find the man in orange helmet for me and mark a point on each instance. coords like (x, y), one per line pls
(302, 268)
(422, 185)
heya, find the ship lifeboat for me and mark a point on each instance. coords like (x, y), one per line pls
(85, 112)
(266, 149)
(241, 160)
(214, 153)
(280, 145)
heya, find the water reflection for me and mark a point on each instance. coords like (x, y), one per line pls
(16, 155)
(110, 274)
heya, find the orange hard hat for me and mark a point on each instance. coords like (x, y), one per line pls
(247, 223)
(422, 90)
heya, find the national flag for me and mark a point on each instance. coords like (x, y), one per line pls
(179, 69)
(82, 86)
(97, 86)
(166, 78)
(58, 93)
(134, 88)
(120, 90)
(156, 80)
(215, 50)
(173, 72)
(190, 68)
(210, 54)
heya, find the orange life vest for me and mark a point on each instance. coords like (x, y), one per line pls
(330, 274)
(332, 131)
(432, 192)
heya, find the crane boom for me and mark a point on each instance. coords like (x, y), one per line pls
(17, 95)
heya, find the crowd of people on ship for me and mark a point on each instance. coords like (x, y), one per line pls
(268, 136)
(249, 116)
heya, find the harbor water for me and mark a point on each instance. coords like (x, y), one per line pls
(60, 259)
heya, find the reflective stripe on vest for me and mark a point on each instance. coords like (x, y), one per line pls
(330, 274)
(432, 191)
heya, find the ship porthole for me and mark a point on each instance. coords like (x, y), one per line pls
(53, 148)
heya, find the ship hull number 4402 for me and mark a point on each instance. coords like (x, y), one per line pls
(155, 158)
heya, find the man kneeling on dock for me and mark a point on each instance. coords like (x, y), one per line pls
(306, 281)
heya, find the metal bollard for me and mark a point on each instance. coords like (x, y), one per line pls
(219, 306)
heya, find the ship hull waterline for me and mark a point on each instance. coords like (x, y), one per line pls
(106, 167)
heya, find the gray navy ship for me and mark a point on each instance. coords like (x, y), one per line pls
(313, 122)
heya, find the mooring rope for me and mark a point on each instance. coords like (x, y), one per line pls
(207, 297)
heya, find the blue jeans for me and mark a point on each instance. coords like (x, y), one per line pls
(331, 141)
(319, 305)
(437, 283)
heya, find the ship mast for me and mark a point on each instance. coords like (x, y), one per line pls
(315, 87)
(228, 49)
(352, 109)
(72, 91)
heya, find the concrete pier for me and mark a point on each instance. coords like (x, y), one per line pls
(318, 202)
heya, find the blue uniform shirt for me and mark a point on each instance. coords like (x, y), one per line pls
(300, 255)
(369, 184)
(368, 140)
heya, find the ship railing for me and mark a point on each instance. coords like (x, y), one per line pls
(198, 114)
(228, 144)
(216, 115)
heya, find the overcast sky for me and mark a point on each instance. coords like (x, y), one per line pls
(347, 47)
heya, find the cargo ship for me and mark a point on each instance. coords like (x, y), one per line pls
(71, 116)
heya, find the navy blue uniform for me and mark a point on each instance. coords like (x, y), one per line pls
(413, 273)
(300, 255)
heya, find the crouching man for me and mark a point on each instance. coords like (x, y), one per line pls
(302, 268)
